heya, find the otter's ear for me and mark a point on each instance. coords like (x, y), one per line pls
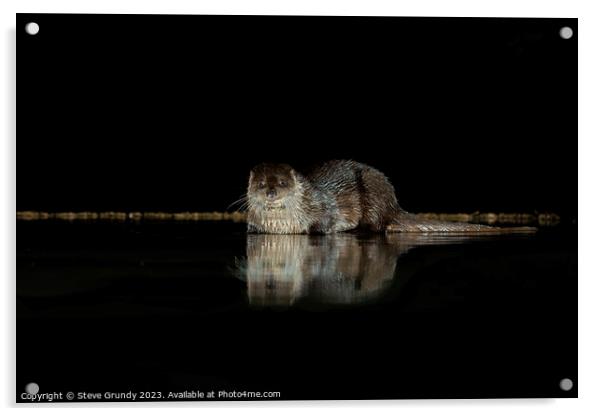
(251, 176)
(293, 174)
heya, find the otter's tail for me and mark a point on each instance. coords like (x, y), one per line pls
(408, 223)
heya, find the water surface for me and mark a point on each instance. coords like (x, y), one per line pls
(167, 306)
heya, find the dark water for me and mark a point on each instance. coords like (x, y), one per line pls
(162, 307)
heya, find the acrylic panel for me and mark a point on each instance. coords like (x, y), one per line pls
(182, 235)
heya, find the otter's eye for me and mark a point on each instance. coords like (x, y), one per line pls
(262, 184)
(283, 183)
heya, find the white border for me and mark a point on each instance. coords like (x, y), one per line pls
(590, 119)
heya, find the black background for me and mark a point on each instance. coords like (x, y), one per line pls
(170, 112)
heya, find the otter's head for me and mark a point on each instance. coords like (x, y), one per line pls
(272, 186)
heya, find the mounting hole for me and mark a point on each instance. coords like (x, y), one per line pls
(566, 32)
(32, 28)
(32, 388)
(566, 384)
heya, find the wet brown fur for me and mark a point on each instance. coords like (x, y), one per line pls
(339, 195)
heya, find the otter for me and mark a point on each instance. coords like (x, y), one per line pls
(337, 196)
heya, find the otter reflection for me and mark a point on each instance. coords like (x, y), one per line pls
(282, 270)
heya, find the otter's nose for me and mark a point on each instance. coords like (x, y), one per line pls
(271, 193)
